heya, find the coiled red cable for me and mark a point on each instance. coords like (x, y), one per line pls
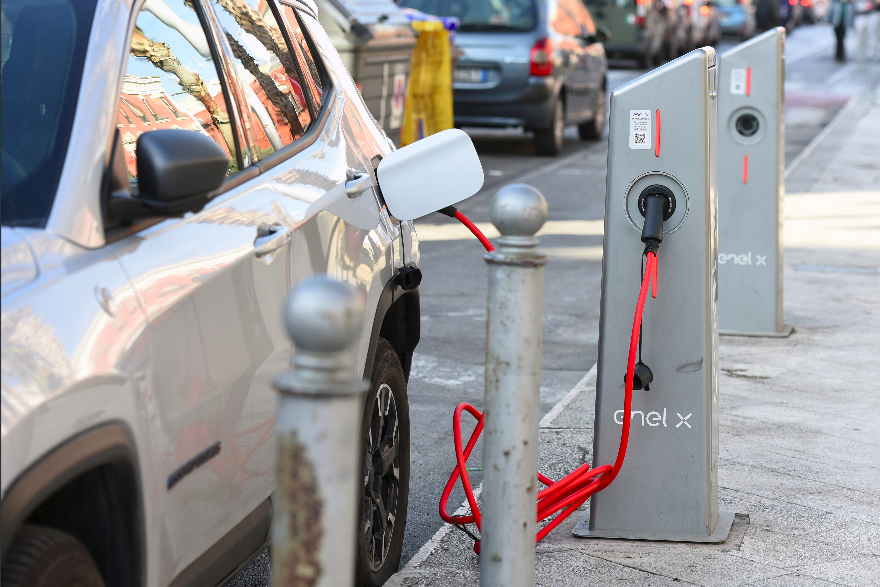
(570, 492)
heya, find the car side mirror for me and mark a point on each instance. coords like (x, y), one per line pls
(177, 170)
(435, 172)
(601, 35)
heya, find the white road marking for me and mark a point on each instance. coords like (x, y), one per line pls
(454, 231)
(584, 383)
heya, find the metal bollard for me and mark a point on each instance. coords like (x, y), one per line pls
(318, 433)
(513, 381)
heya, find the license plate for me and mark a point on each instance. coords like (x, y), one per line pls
(471, 75)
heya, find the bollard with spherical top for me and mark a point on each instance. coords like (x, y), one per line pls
(518, 211)
(318, 435)
(513, 381)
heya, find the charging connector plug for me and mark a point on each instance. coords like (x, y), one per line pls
(656, 203)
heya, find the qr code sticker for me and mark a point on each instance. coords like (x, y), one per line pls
(640, 129)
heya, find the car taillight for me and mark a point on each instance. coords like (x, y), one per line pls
(793, 2)
(541, 58)
(640, 21)
(704, 10)
(806, 3)
(688, 2)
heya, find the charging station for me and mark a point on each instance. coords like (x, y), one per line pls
(662, 141)
(751, 186)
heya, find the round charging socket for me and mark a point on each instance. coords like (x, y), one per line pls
(747, 126)
(663, 184)
(658, 190)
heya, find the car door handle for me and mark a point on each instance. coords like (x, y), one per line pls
(270, 239)
(358, 184)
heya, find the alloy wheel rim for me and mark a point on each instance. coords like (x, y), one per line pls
(381, 477)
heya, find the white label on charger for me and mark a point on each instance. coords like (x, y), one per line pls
(639, 129)
(738, 81)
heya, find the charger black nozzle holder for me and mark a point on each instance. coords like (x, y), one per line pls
(656, 203)
(642, 377)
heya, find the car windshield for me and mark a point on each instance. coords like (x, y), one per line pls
(481, 15)
(43, 49)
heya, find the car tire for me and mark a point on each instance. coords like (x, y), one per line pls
(45, 557)
(385, 494)
(591, 130)
(548, 141)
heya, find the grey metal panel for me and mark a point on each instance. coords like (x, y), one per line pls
(751, 82)
(668, 485)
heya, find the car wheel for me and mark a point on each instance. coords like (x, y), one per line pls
(592, 129)
(383, 503)
(548, 141)
(45, 557)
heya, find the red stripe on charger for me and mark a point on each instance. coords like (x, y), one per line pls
(749, 81)
(657, 137)
(745, 168)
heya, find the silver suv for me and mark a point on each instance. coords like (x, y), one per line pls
(171, 169)
(538, 64)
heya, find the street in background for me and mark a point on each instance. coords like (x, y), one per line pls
(375, 43)
(533, 64)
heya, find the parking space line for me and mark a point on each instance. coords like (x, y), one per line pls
(585, 382)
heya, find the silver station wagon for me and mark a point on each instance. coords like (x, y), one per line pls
(171, 169)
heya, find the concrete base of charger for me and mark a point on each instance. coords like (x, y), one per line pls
(786, 332)
(722, 529)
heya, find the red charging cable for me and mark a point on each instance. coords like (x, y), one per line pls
(476, 231)
(570, 492)
(453, 212)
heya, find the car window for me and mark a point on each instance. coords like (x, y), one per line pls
(573, 19)
(315, 80)
(565, 19)
(272, 81)
(585, 21)
(43, 52)
(482, 15)
(171, 81)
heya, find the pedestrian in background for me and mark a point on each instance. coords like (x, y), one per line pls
(840, 16)
(766, 15)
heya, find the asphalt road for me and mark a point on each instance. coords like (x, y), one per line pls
(448, 364)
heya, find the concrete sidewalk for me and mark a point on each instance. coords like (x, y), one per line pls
(800, 417)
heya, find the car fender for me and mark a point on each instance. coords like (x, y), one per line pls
(405, 332)
(110, 443)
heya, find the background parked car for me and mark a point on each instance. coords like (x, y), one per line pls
(187, 166)
(704, 26)
(789, 14)
(736, 18)
(538, 64)
(808, 12)
(864, 6)
(638, 28)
